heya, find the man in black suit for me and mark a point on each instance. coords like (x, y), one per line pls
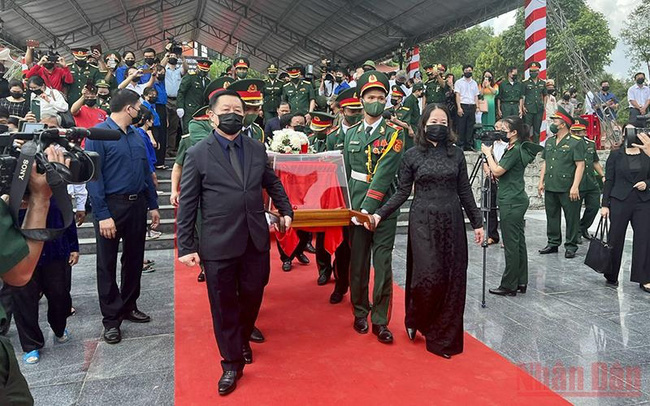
(224, 175)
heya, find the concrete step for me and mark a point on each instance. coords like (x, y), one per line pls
(165, 242)
(166, 210)
(87, 229)
(163, 174)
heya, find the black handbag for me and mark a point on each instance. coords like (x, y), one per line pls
(599, 256)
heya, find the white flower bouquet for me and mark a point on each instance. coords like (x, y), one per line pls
(288, 141)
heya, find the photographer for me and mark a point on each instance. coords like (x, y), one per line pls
(52, 69)
(132, 81)
(18, 258)
(513, 201)
(626, 199)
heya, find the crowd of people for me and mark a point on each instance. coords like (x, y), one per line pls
(398, 136)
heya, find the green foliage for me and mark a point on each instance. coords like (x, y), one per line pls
(457, 49)
(636, 35)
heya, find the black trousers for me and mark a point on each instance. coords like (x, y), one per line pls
(53, 279)
(235, 290)
(161, 134)
(305, 238)
(622, 212)
(493, 223)
(323, 258)
(131, 222)
(342, 263)
(465, 127)
(634, 113)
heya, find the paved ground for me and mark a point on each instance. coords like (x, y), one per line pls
(566, 324)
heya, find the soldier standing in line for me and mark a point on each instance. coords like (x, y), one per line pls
(272, 94)
(241, 66)
(534, 100)
(560, 177)
(191, 96)
(510, 100)
(372, 154)
(298, 92)
(250, 90)
(401, 115)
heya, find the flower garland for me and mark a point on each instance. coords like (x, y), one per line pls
(288, 141)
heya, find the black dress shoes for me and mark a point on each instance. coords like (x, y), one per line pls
(585, 234)
(323, 278)
(569, 254)
(383, 334)
(247, 352)
(228, 381)
(201, 277)
(136, 316)
(411, 333)
(503, 292)
(112, 335)
(310, 248)
(611, 282)
(643, 288)
(302, 258)
(286, 266)
(522, 288)
(361, 325)
(257, 336)
(336, 297)
(445, 356)
(548, 250)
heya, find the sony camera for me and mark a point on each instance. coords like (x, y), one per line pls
(640, 126)
(174, 46)
(488, 137)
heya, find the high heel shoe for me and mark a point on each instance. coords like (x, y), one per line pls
(411, 333)
(522, 288)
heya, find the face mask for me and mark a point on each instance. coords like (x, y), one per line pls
(202, 73)
(605, 88)
(338, 79)
(295, 80)
(249, 119)
(230, 123)
(129, 62)
(173, 61)
(437, 132)
(394, 102)
(37, 92)
(299, 128)
(468, 74)
(17, 95)
(566, 97)
(149, 61)
(553, 128)
(242, 75)
(90, 102)
(373, 109)
(48, 65)
(103, 97)
(81, 63)
(430, 74)
(272, 76)
(534, 74)
(353, 118)
(640, 81)
(552, 92)
(514, 77)
(320, 135)
(161, 77)
(137, 118)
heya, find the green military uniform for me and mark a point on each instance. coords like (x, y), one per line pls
(347, 99)
(272, 94)
(513, 203)
(191, 95)
(510, 95)
(298, 92)
(413, 104)
(434, 93)
(104, 103)
(81, 76)
(589, 185)
(321, 125)
(250, 90)
(372, 160)
(561, 157)
(13, 387)
(534, 93)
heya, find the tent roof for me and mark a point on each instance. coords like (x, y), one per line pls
(267, 31)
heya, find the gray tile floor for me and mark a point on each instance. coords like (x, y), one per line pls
(567, 330)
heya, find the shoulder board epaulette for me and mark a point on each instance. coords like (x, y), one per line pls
(355, 124)
(185, 136)
(395, 126)
(406, 108)
(589, 140)
(576, 137)
(286, 84)
(333, 129)
(304, 82)
(70, 64)
(257, 125)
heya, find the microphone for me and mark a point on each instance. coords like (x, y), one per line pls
(99, 134)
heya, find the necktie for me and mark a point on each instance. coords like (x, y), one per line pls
(234, 160)
(368, 132)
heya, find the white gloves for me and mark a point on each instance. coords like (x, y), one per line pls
(357, 222)
(180, 113)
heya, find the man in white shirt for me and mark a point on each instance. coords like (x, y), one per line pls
(467, 92)
(639, 97)
(132, 81)
(174, 74)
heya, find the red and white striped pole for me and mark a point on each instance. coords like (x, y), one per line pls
(535, 50)
(414, 62)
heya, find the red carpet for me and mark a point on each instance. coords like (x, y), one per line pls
(312, 355)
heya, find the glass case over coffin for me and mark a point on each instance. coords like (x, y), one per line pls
(317, 188)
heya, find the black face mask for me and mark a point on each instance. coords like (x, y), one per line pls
(103, 96)
(514, 77)
(437, 132)
(640, 81)
(230, 123)
(605, 88)
(17, 95)
(566, 97)
(161, 77)
(551, 92)
(137, 118)
(81, 63)
(394, 102)
(299, 128)
(48, 65)
(90, 102)
(149, 61)
(173, 61)
(338, 79)
(468, 74)
(129, 62)
(38, 92)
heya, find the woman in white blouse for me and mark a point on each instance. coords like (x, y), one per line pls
(51, 100)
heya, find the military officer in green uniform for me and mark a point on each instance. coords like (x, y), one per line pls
(412, 102)
(534, 100)
(191, 91)
(241, 65)
(372, 154)
(250, 90)
(103, 96)
(435, 86)
(560, 177)
(298, 93)
(510, 100)
(82, 74)
(401, 115)
(589, 186)
(352, 114)
(272, 93)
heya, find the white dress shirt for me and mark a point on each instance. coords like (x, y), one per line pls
(640, 94)
(173, 79)
(468, 90)
(56, 104)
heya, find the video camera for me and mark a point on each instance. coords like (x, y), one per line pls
(174, 47)
(488, 137)
(640, 126)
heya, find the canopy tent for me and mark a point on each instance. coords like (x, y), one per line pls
(267, 31)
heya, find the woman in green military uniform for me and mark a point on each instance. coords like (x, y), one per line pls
(513, 201)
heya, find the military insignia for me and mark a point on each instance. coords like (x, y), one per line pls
(398, 145)
(565, 147)
(226, 84)
(382, 130)
(252, 88)
(384, 143)
(375, 150)
(372, 78)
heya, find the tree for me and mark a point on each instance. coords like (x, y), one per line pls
(458, 48)
(636, 35)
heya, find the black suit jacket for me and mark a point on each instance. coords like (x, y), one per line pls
(619, 181)
(231, 211)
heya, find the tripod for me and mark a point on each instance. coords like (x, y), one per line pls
(486, 202)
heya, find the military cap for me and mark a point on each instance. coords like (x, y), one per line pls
(349, 98)
(203, 64)
(321, 102)
(442, 67)
(418, 86)
(320, 121)
(102, 83)
(370, 63)
(535, 66)
(372, 79)
(201, 114)
(241, 62)
(250, 90)
(219, 83)
(579, 124)
(396, 91)
(80, 53)
(563, 115)
(272, 68)
(294, 71)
